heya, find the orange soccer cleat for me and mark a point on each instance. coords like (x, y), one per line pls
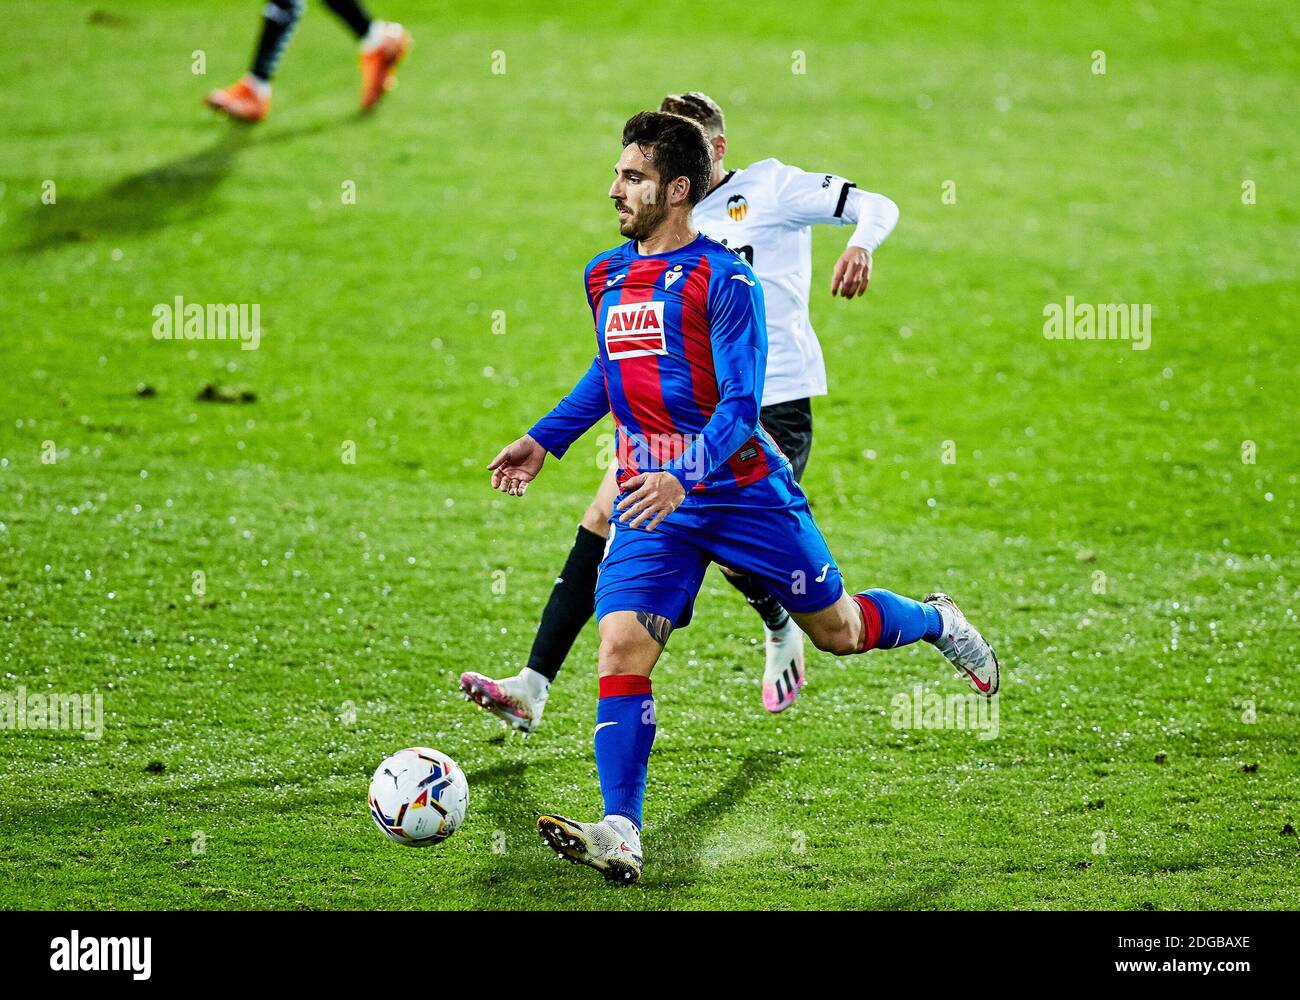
(379, 61)
(246, 100)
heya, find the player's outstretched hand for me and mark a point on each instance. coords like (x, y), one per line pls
(651, 497)
(852, 273)
(517, 465)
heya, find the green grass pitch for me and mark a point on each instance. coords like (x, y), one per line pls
(1122, 523)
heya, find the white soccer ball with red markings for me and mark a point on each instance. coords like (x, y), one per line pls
(418, 797)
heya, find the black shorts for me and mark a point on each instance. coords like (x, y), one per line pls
(790, 425)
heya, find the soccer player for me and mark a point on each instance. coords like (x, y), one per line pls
(680, 362)
(764, 212)
(383, 44)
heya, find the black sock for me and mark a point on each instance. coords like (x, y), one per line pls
(573, 600)
(768, 607)
(278, 20)
(353, 14)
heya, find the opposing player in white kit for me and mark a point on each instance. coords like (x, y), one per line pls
(764, 213)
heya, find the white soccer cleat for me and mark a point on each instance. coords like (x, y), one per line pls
(965, 648)
(783, 675)
(615, 854)
(518, 701)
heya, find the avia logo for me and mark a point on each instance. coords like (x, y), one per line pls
(636, 317)
(635, 330)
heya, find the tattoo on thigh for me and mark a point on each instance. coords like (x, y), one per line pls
(658, 626)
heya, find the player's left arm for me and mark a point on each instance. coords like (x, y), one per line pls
(738, 333)
(816, 199)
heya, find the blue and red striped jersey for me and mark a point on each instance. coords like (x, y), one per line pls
(681, 349)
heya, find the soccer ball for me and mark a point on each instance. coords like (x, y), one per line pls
(418, 797)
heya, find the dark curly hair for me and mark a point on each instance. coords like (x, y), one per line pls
(676, 146)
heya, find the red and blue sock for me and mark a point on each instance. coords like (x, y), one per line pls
(892, 620)
(625, 731)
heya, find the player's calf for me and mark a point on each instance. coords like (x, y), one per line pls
(624, 734)
(880, 619)
(837, 630)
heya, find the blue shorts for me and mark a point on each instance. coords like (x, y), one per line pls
(765, 529)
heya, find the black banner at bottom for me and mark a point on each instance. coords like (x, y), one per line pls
(552, 949)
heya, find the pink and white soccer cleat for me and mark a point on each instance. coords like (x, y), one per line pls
(518, 701)
(783, 675)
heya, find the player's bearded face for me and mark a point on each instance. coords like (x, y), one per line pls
(640, 221)
(640, 200)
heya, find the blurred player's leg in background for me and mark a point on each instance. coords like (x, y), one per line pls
(352, 14)
(249, 98)
(383, 44)
(519, 700)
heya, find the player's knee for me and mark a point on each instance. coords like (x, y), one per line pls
(616, 655)
(596, 519)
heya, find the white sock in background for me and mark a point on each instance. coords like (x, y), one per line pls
(375, 36)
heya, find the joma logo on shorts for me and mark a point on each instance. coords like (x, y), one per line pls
(634, 330)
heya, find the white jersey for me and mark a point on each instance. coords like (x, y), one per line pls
(765, 213)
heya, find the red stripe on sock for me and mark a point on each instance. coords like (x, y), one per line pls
(619, 684)
(870, 621)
